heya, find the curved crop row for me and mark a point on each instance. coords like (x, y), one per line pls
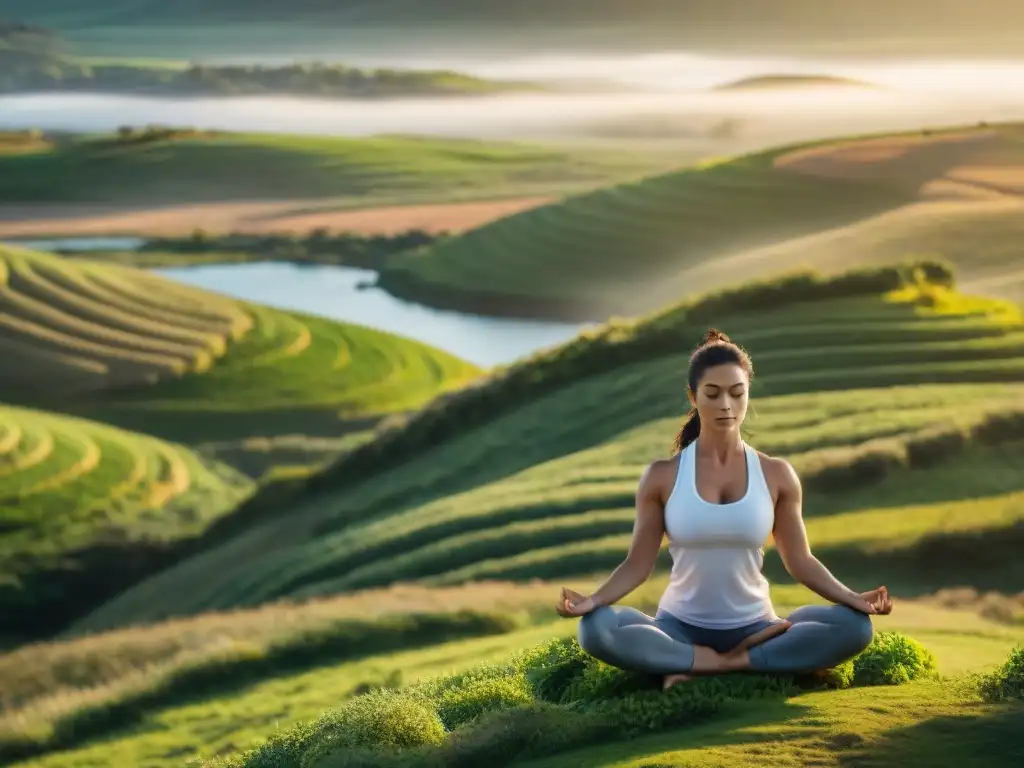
(70, 490)
(290, 374)
(96, 328)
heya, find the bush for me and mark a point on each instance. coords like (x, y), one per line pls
(1007, 682)
(550, 668)
(892, 659)
(385, 719)
(458, 706)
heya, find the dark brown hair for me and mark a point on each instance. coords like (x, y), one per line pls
(714, 349)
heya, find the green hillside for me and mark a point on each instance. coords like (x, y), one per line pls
(899, 400)
(145, 353)
(85, 509)
(170, 165)
(634, 246)
(533, 474)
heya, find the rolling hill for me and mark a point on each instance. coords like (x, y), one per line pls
(630, 248)
(899, 399)
(532, 473)
(132, 349)
(86, 509)
(779, 25)
(167, 165)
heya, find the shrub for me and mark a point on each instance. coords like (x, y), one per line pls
(550, 668)
(458, 706)
(892, 659)
(1007, 682)
(384, 719)
(526, 731)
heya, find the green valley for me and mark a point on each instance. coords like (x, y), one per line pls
(242, 537)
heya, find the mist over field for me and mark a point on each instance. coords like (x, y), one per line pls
(650, 97)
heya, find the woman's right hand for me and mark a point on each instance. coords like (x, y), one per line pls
(573, 604)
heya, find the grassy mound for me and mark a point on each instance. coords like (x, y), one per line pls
(170, 165)
(548, 699)
(632, 247)
(129, 348)
(85, 509)
(882, 400)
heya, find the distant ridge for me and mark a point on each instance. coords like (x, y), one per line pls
(768, 82)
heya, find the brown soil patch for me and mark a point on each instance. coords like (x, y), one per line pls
(253, 217)
(957, 164)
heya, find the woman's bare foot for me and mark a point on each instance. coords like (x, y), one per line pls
(707, 661)
(764, 635)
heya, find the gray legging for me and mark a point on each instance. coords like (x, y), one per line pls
(822, 636)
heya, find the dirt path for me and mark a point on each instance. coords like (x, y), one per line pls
(254, 217)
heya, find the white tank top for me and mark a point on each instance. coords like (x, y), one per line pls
(718, 550)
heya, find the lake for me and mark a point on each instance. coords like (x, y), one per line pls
(333, 292)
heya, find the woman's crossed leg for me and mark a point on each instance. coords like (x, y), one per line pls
(812, 638)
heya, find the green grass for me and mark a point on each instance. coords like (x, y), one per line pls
(228, 720)
(133, 349)
(544, 487)
(544, 703)
(81, 505)
(61, 694)
(638, 245)
(206, 167)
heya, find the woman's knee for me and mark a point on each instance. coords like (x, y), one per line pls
(853, 628)
(861, 630)
(594, 633)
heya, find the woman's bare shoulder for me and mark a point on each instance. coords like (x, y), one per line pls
(779, 473)
(659, 477)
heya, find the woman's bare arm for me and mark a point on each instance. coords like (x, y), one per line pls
(791, 542)
(648, 532)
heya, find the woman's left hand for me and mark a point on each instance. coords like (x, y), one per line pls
(573, 605)
(876, 602)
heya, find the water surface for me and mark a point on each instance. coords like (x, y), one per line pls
(333, 292)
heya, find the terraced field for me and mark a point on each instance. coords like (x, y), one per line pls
(132, 349)
(542, 485)
(83, 505)
(639, 245)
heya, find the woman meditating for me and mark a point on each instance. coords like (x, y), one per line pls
(718, 500)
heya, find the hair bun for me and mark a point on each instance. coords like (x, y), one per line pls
(714, 335)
